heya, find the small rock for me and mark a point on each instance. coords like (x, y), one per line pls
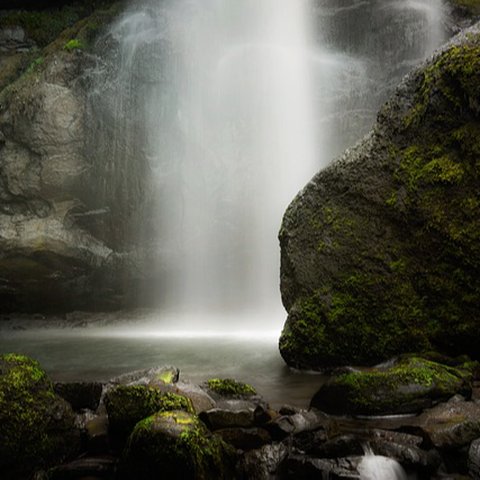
(262, 464)
(245, 438)
(474, 459)
(218, 418)
(164, 375)
(288, 410)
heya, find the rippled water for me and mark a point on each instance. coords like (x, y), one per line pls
(97, 350)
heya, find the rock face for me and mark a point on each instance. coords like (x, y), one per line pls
(63, 245)
(380, 252)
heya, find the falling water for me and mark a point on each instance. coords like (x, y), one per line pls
(377, 467)
(233, 106)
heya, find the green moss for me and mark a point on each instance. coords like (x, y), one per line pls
(28, 425)
(177, 444)
(409, 385)
(228, 386)
(472, 6)
(127, 405)
(355, 323)
(74, 44)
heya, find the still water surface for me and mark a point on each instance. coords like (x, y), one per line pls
(91, 352)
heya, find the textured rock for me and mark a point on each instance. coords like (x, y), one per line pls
(179, 446)
(128, 404)
(36, 426)
(262, 464)
(58, 238)
(244, 438)
(408, 386)
(474, 459)
(452, 425)
(217, 418)
(380, 252)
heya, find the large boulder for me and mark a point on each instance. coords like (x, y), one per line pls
(175, 445)
(380, 252)
(409, 386)
(36, 426)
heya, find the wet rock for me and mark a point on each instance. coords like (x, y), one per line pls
(309, 441)
(201, 400)
(218, 418)
(156, 376)
(80, 395)
(341, 446)
(283, 426)
(126, 405)
(377, 249)
(288, 410)
(94, 430)
(87, 467)
(452, 425)
(263, 463)
(302, 467)
(411, 384)
(178, 445)
(410, 457)
(245, 438)
(37, 427)
(474, 459)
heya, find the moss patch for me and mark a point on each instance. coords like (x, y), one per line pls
(36, 426)
(410, 385)
(177, 444)
(127, 405)
(228, 386)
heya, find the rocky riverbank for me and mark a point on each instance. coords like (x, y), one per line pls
(151, 421)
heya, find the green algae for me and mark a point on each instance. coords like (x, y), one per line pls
(228, 386)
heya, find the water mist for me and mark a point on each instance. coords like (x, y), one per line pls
(232, 107)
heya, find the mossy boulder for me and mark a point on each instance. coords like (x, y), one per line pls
(175, 445)
(380, 252)
(128, 404)
(36, 426)
(228, 387)
(410, 385)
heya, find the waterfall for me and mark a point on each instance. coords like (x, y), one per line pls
(233, 106)
(377, 467)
